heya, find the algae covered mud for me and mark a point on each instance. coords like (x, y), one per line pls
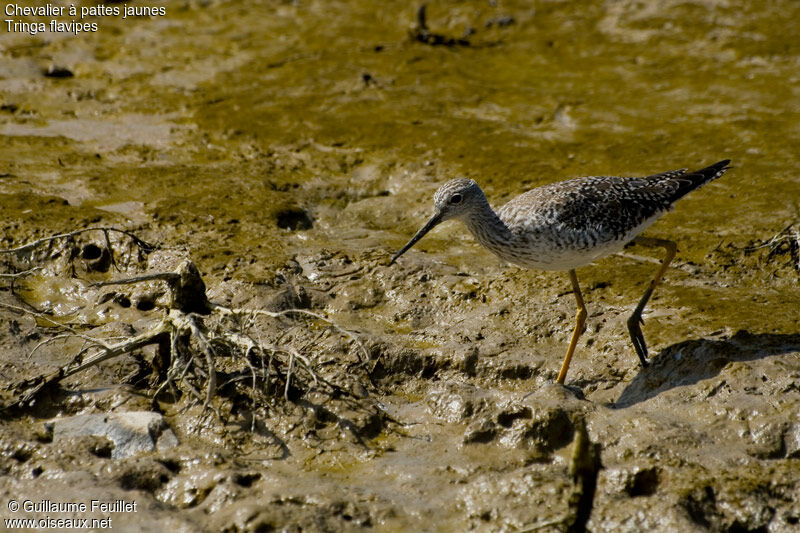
(287, 149)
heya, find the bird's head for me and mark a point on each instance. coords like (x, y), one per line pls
(454, 199)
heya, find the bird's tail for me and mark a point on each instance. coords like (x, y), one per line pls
(710, 173)
(682, 183)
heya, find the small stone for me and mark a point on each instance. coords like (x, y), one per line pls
(791, 441)
(543, 430)
(767, 441)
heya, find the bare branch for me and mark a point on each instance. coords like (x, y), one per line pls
(46, 240)
(18, 275)
(276, 314)
(163, 276)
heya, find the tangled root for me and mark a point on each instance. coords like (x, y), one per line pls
(193, 339)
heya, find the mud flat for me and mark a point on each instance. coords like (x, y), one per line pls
(285, 150)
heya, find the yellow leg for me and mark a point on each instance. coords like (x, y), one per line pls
(635, 321)
(580, 322)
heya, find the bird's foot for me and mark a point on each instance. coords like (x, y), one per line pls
(637, 337)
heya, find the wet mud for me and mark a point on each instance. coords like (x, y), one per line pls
(287, 149)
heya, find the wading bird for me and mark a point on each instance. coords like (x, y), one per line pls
(568, 224)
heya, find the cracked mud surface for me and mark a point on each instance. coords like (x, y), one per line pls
(289, 149)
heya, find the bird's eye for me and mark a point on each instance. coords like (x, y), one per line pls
(455, 199)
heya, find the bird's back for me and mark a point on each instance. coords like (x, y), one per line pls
(569, 223)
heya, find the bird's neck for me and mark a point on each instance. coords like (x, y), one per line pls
(488, 228)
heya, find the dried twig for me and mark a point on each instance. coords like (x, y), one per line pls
(161, 276)
(787, 240)
(46, 240)
(277, 314)
(22, 274)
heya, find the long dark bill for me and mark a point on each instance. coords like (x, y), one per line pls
(435, 219)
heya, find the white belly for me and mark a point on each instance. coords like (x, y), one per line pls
(559, 251)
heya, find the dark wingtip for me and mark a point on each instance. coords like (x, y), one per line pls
(711, 172)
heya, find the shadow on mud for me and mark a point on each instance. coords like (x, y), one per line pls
(689, 362)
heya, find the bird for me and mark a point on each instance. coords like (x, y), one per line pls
(569, 224)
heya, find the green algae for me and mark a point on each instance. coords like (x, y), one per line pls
(579, 90)
(233, 113)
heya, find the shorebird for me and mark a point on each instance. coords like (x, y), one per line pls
(569, 224)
